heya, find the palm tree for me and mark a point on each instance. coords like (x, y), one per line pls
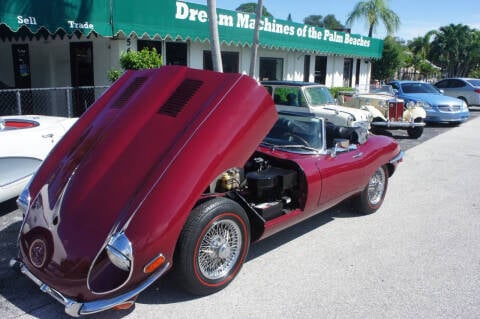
(456, 48)
(256, 32)
(252, 7)
(214, 38)
(374, 11)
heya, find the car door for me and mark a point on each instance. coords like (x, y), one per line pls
(342, 175)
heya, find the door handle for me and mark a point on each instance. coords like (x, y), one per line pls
(47, 135)
(358, 155)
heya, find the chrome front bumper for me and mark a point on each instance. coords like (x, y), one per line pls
(397, 159)
(75, 308)
(390, 124)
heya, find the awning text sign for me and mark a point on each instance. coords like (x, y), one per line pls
(239, 20)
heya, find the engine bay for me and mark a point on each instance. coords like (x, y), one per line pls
(269, 186)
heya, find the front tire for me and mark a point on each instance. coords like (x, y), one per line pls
(371, 198)
(212, 247)
(415, 132)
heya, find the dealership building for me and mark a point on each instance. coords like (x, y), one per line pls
(73, 43)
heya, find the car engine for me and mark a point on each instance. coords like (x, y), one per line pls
(270, 189)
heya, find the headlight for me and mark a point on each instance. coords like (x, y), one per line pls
(113, 266)
(350, 120)
(464, 106)
(410, 105)
(119, 251)
(423, 104)
(24, 199)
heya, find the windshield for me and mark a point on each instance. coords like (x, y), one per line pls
(318, 95)
(382, 89)
(474, 82)
(296, 132)
(418, 88)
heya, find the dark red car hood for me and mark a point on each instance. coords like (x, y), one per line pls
(124, 148)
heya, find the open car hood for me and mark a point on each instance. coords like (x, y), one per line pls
(148, 146)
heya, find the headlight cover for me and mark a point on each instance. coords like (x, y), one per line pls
(119, 251)
(113, 266)
(24, 200)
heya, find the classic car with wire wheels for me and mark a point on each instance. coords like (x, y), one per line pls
(388, 111)
(25, 141)
(438, 107)
(183, 178)
(315, 98)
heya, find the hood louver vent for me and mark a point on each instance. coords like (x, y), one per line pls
(177, 101)
(129, 91)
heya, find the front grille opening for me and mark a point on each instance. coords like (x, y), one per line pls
(177, 101)
(133, 87)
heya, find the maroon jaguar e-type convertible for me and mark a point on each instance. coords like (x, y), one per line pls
(183, 169)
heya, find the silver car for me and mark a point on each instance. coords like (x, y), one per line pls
(467, 89)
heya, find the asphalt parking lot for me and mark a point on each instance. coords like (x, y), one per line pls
(417, 257)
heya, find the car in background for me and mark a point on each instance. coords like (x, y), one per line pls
(439, 108)
(25, 140)
(466, 89)
(184, 178)
(315, 98)
(387, 110)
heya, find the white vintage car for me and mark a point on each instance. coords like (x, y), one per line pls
(315, 98)
(25, 140)
(387, 110)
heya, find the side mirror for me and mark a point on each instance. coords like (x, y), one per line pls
(340, 145)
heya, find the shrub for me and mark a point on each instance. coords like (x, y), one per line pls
(337, 89)
(136, 60)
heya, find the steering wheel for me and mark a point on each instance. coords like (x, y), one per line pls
(297, 137)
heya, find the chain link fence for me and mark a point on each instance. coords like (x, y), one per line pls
(60, 101)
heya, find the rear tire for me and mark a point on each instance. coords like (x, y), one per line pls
(371, 198)
(212, 247)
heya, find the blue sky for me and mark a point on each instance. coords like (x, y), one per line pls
(416, 17)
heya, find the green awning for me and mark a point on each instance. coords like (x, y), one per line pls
(54, 15)
(183, 20)
(178, 20)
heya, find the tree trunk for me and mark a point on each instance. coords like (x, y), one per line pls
(214, 39)
(253, 60)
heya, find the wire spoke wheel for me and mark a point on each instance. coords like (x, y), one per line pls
(376, 186)
(371, 198)
(213, 246)
(219, 249)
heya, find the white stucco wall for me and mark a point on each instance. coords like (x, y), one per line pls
(50, 61)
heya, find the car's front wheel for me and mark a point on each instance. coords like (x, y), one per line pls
(212, 246)
(417, 131)
(371, 198)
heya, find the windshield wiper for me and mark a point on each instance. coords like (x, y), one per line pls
(299, 146)
(275, 146)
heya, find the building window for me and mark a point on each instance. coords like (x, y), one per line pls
(176, 53)
(306, 68)
(230, 61)
(149, 44)
(271, 69)
(320, 69)
(347, 72)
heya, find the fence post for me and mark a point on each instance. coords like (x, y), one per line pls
(69, 103)
(19, 102)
